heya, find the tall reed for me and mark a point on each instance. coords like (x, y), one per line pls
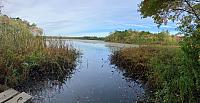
(25, 54)
(166, 71)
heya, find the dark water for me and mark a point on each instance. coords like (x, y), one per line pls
(93, 81)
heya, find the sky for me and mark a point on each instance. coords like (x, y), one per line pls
(82, 17)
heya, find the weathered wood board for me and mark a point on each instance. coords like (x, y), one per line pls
(7, 95)
(20, 98)
(13, 96)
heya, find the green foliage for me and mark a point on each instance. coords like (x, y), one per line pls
(24, 52)
(166, 70)
(184, 85)
(176, 77)
(162, 11)
(186, 13)
(135, 37)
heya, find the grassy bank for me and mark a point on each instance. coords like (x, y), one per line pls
(25, 54)
(166, 70)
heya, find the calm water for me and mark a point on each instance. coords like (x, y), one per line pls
(94, 80)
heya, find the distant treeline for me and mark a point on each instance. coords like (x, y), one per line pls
(142, 37)
(132, 37)
(82, 38)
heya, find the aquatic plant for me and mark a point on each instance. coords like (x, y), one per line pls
(134, 61)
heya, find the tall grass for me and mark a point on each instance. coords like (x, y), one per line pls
(166, 70)
(134, 61)
(25, 55)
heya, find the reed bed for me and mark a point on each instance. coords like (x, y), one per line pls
(166, 71)
(24, 54)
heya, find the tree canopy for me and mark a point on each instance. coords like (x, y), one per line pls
(186, 12)
(187, 15)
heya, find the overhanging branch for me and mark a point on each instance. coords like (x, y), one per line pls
(193, 10)
(180, 9)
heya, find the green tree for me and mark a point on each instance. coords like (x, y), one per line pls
(162, 11)
(187, 15)
(185, 12)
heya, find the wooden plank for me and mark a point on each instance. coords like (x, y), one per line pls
(20, 98)
(7, 95)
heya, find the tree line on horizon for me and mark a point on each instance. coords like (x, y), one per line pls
(142, 37)
(132, 37)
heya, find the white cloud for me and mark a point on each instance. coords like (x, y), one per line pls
(75, 16)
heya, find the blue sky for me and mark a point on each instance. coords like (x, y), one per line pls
(82, 17)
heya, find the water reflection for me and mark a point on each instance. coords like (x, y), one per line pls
(43, 89)
(94, 80)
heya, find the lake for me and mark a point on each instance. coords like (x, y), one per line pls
(94, 79)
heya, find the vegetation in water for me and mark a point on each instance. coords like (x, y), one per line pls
(25, 54)
(136, 37)
(134, 61)
(165, 70)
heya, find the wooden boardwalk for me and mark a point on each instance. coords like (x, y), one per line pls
(13, 96)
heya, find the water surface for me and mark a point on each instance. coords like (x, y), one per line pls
(94, 79)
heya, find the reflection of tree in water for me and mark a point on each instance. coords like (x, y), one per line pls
(117, 46)
(42, 91)
(47, 80)
(112, 48)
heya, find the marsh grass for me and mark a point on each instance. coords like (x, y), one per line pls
(27, 55)
(166, 71)
(134, 61)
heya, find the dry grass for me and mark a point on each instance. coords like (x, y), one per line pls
(167, 71)
(134, 60)
(23, 55)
